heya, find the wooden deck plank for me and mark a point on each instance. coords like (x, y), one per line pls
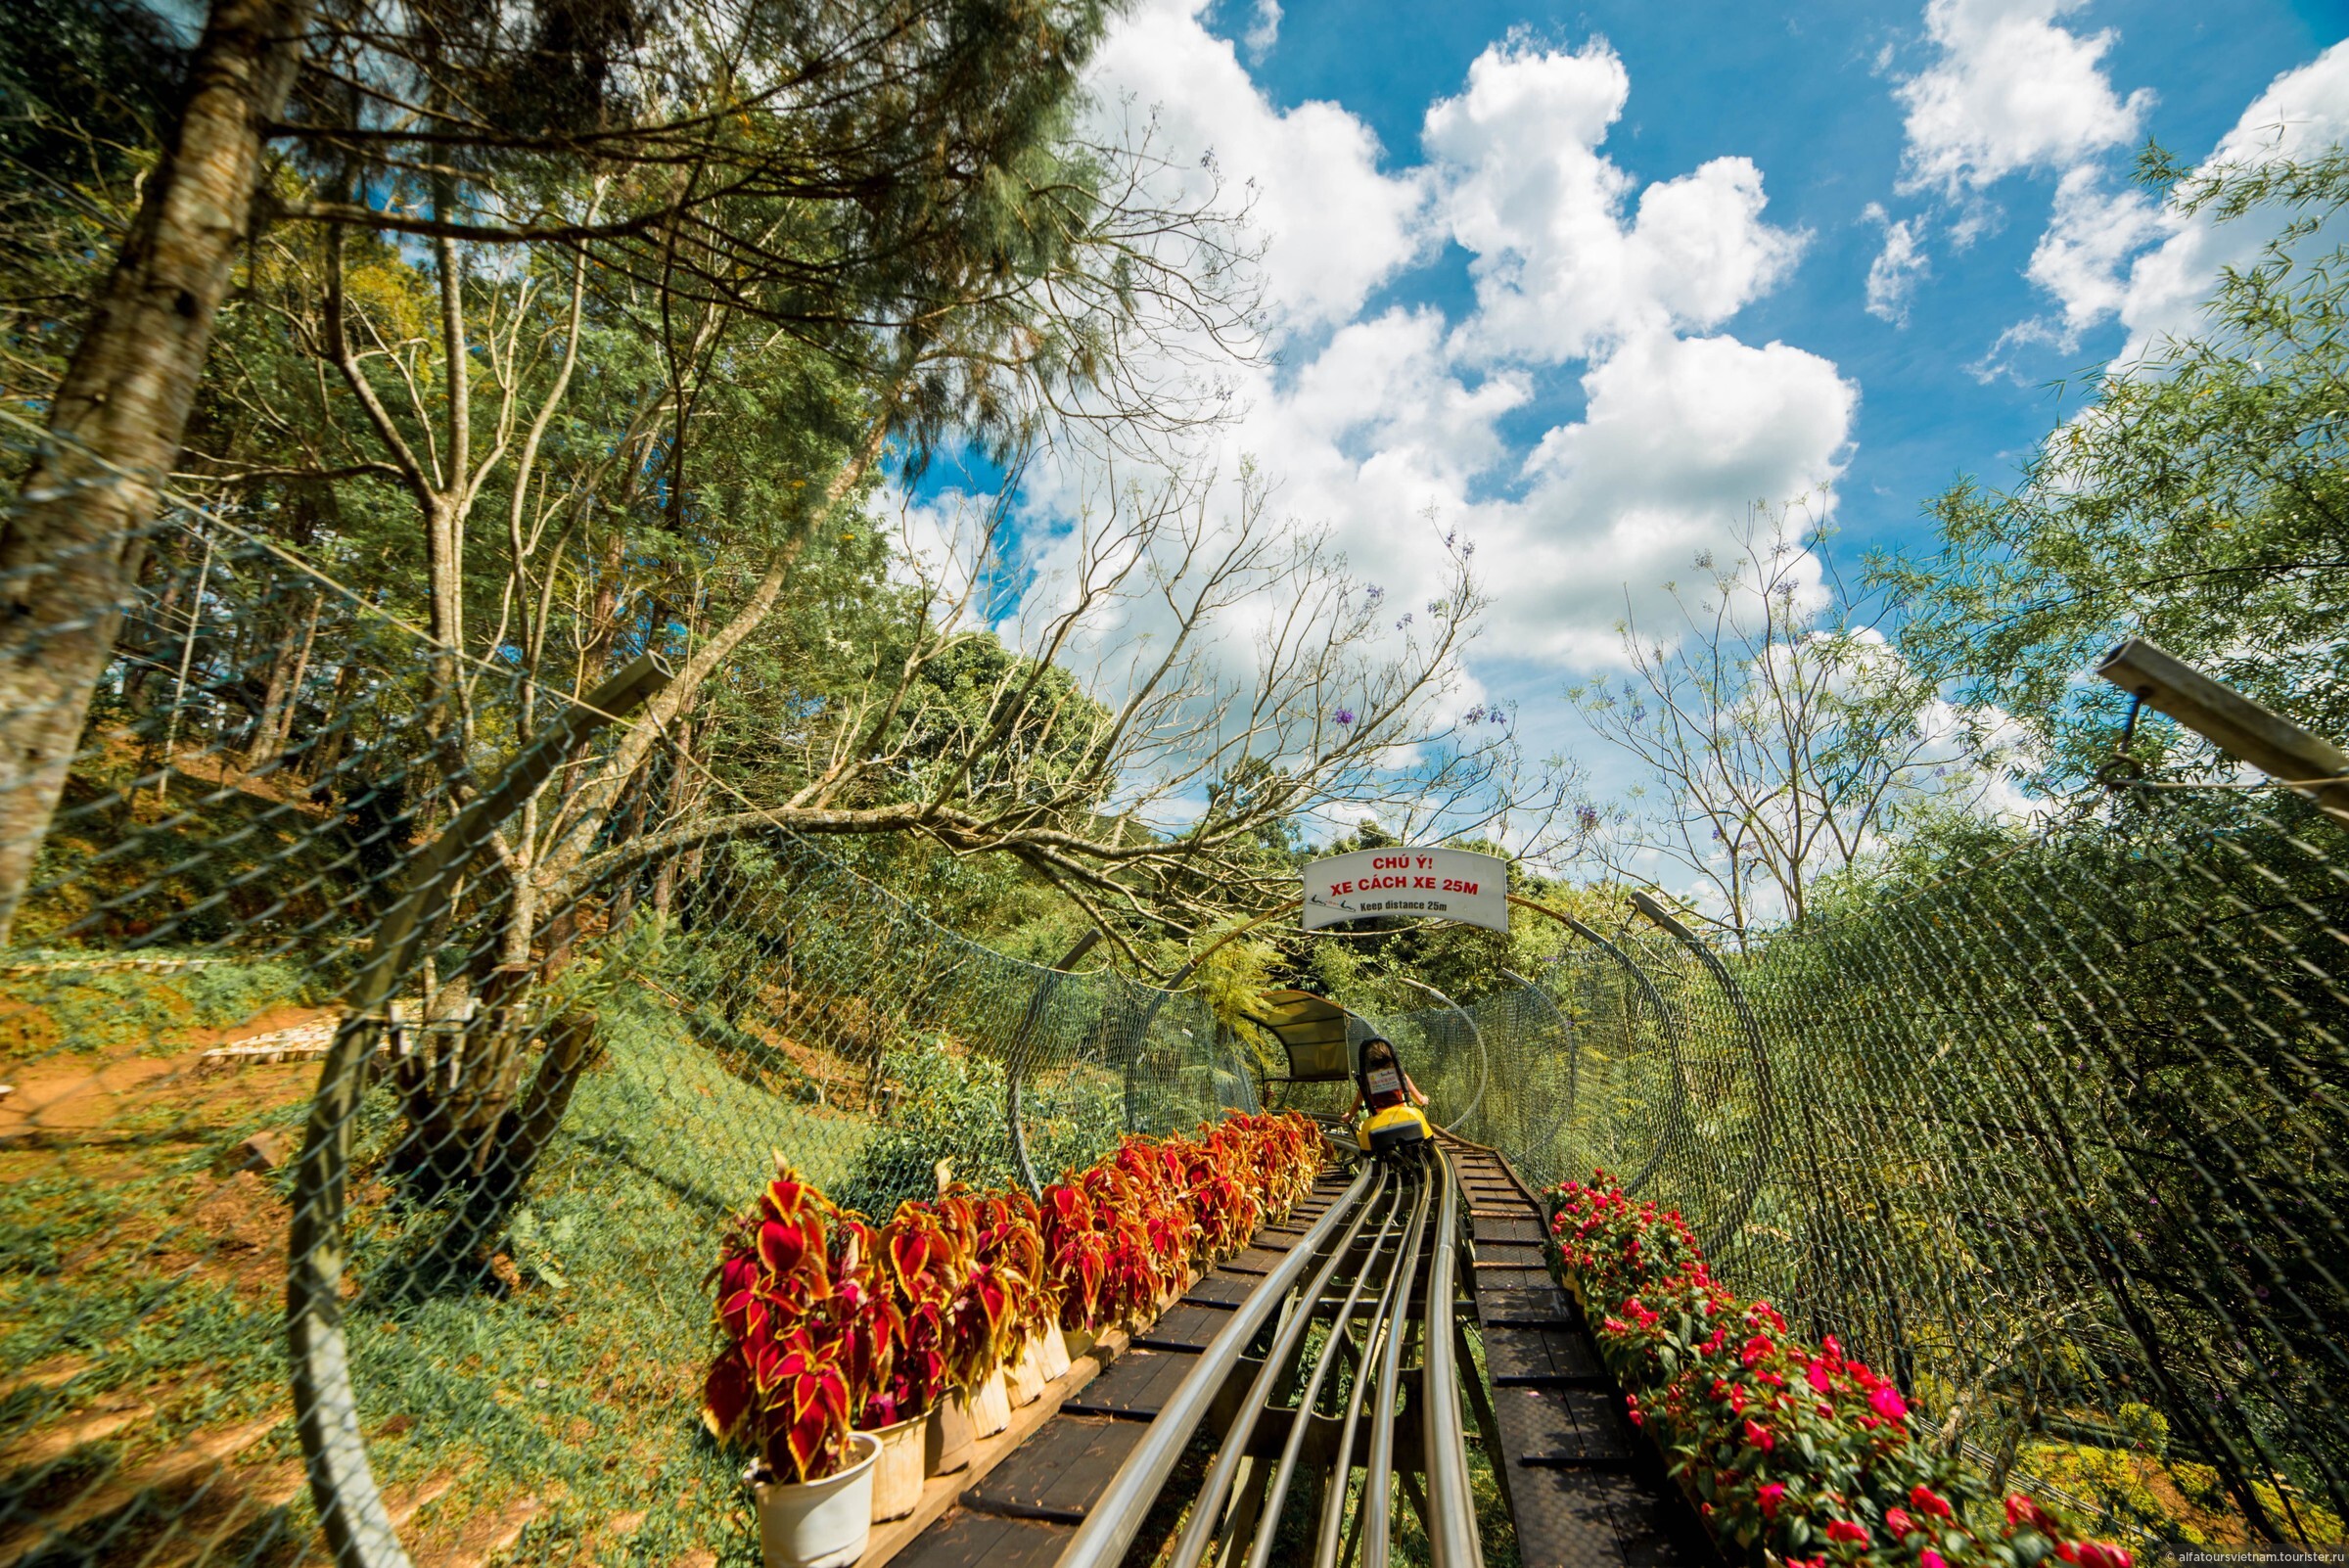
(1139, 1386)
(969, 1539)
(1059, 1472)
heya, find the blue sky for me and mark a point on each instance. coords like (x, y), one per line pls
(1583, 285)
(1810, 98)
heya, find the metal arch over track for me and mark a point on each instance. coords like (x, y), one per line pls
(1330, 1368)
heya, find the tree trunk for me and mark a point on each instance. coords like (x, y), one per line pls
(288, 664)
(70, 552)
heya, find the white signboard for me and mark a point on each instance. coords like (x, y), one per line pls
(1446, 883)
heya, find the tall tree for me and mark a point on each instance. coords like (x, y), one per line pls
(71, 547)
(1782, 736)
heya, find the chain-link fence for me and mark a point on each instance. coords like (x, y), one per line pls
(384, 998)
(2056, 1140)
(489, 1002)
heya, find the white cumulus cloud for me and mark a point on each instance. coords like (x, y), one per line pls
(1900, 265)
(1334, 224)
(2011, 89)
(1566, 262)
(2303, 111)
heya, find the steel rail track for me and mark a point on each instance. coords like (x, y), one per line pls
(1392, 1240)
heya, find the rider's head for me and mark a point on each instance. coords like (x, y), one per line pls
(1377, 1052)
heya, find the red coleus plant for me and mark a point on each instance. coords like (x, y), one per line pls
(811, 1329)
(1785, 1445)
(829, 1324)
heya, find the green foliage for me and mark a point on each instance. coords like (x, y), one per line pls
(2199, 500)
(50, 1002)
(947, 1103)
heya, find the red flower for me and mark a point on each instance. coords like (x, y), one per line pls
(2021, 1510)
(1755, 1349)
(1817, 1373)
(1929, 1558)
(1886, 1402)
(1846, 1530)
(1896, 1521)
(1770, 1496)
(1758, 1436)
(2101, 1554)
(1924, 1500)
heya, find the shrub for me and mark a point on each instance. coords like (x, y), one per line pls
(1785, 1445)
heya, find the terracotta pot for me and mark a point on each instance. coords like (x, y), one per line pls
(1052, 1353)
(991, 1406)
(817, 1524)
(946, 1439)
(899, 1474)
(1023, 1379)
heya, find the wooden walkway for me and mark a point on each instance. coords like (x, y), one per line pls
(1584, 1490)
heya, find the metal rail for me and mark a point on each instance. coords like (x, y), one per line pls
(1451, 1540)
(1391, 1242)
(1113, 1522)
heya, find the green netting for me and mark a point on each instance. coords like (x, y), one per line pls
(2056, 1141)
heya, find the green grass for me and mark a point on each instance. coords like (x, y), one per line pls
(584, 1398)
(58, 1006)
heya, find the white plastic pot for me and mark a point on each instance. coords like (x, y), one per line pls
(1024, 1380)
(819, 1523)
(1052, 1353)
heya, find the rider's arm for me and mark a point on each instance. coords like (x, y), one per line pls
(1414, 1090)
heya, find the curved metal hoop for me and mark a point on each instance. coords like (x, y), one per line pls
(1666, 1022)
(1757, 1162)
(359, 1531)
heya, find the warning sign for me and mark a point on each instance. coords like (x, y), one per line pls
(1445, 884)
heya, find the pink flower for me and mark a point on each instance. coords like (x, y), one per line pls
(1846, 1530)
(1758, 1436)
(1924, 1500)
(2102, 1555)
(1770, 1496)
(1896, 1521)
(1817, 1373)
(1886, 1402)
(1832, 1347)
(1755, 1349)
(1929, 1558)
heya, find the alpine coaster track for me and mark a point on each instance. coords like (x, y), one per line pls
(1299, 1397)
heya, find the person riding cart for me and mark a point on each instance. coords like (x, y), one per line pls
(1386, 1092)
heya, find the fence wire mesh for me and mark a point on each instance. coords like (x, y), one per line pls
(2058, 1140)
(341, 944)
(337, 943)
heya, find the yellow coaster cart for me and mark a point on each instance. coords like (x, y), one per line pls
(1314, 1033)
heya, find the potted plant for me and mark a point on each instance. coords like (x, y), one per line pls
(1077, 1257)
(1011, 1248)
(803, 1324)
(928, 1262)
(976, 1315)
